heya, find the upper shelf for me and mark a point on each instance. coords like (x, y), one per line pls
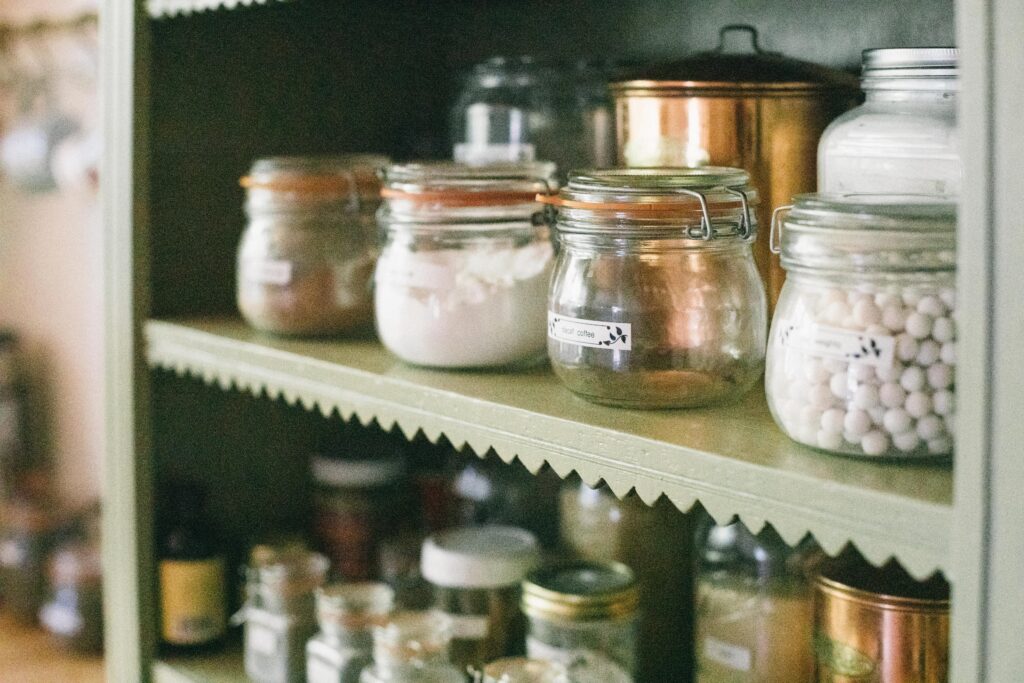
(167, 8)
(732, 459)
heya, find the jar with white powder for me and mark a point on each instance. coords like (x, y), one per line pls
(904, 137)
(862, 350)
(463, 275)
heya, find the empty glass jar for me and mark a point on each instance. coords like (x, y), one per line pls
(904, 137)
(862, 351)
(412, 648)
(655, 300)
(307, 255)
(347, 614)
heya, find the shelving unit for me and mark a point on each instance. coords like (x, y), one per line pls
(192, 99)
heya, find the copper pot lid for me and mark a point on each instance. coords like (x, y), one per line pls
(729, 69)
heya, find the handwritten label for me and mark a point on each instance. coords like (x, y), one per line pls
(728, 655)
(593, 333)
(267, 271)
(824, 341)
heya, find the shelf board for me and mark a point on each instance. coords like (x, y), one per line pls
(732, 459)
(170, 8)
(220, 667)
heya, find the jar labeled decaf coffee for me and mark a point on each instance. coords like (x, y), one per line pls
(655, 301)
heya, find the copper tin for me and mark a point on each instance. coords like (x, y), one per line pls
(878, 626)
(754, 110)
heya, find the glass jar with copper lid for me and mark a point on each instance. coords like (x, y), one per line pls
(464, 270)
(655, 300)
(306, 257)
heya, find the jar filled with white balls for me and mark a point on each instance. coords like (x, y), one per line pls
(462, 279)
(862, 350)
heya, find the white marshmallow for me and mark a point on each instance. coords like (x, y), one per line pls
(896, 421)
(839, 386)
(943, 330)
(831, 441)
(907, 441)
(809, 415)
(836, 313)
(948, 296)
(865, 396)
(814, 371)
(918, 404)
(943, 402)
(928, 352)
(940, 446)
(906, 347)
(857, 423)
(861, 372)
(877, 331)
(940, 376)
(911, 297)
(931, 306)
(875, 443)
(948, 353)
(820, 396)
(832, 420)
(865, 313)
(889, 373)
(912, 379)
(930, 427)
(894, 318)
(891, 395)
(918, 325)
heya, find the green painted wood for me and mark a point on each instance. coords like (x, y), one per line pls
(733, 459)
(222, 667)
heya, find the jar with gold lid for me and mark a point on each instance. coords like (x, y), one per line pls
(655, 301)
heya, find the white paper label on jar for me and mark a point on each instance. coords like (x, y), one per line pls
(493, 152)
(319, 671)
(595, 333)
(415, 271)
(267, 271)
(468, 626)
(728, 655)
(261, 639)
(824, 341)
(12, 554)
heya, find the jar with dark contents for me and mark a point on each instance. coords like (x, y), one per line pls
(476, 574)
(307, 255)
(655, 301)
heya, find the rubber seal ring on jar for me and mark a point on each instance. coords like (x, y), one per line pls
(706, 231)
(775, 243)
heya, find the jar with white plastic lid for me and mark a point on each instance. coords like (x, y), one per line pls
(655, 300)
(346, 614)
(306, 258)
(862, 350)
(463, 274)
(904, 137)
(583, 614)
(412, 648)
(476, 574)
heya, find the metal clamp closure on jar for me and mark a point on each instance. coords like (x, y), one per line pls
(652, 198)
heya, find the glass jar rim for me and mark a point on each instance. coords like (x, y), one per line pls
(912, 212)
(911, 68)
(422, 176)
(314, 177)
(561, 590)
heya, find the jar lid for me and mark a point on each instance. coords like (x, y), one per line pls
(748, 69)
(323, 177)
(581, 590)
(479, 557)
(910, 68)
(851, 579)
(453, 184)
(715, 200)
(366, 473)
(866, 232)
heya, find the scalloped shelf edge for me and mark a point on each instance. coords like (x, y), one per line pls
(919, 564)
(162, 9)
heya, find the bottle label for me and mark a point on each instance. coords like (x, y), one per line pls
(415, 270)
(193, 601)
(594, 333)
(823, 341)
(267, 271)
(319, 671)
(728, 655)
(261, 639)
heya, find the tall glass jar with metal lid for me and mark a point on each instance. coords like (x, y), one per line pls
(655, 301)
(463, 274)
(307, 255)
(413, 648)
(862, 351)
(347, 613)
(583, 614)
(904, 137)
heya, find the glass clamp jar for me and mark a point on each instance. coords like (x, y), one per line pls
(306, 258)
(412, 648)
(476, 573)
(465, 265)
(656, 301)
(522, 670)
(583, 615)
(904, 137)
(862, 350)
(347, 614)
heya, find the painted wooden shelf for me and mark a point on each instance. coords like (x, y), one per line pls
(169, 8)
(732, 459)
(221, 667)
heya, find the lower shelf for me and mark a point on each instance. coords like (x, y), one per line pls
(225, 666)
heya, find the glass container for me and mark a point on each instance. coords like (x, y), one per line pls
(904, 137)
(862, 352)
(583, 613)
(754, 612)
(307, 255)
(476, 573)
(412, 648)
(655, 300)
(74, 612)
(523, 670)
(277, 630)
(465, 266)
(346, 614)
(26, 538)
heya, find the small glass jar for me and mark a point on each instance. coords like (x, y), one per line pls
(306, 258)
(26, 538)
(862, 351)
(904, 137)
(355, 510)
(523, 670)
(655, 301)
(412, 648)
(754, 612)
(465, 266)
(347, 614)
(583, 613)
(74, 613)
(276, 631)
(476, 574)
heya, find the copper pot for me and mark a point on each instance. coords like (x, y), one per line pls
(751, 109)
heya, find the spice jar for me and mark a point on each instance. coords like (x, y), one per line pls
(523, 670)
(879, 624)
(307, 255)
(346, 614)
(412, 648)
(904, 137)
(276, 631)
(465, 266)
(655, 301)
(26, 538)
(862, 351)
(476, 573)
(583, 613)
(355, 510)
(754, 611)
